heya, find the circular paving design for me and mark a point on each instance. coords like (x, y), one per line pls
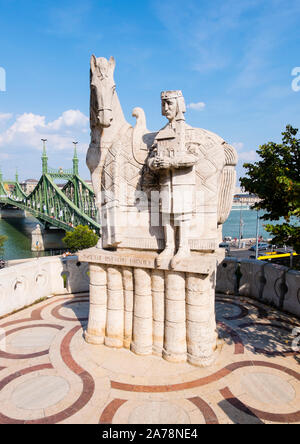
(75, 310)
(267, 388)
(158, 413)
(40, 392)
(31, 338)
(255, 378)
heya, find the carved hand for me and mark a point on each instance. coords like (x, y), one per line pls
(160, 163)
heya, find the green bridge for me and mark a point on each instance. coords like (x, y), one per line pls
(64, 208)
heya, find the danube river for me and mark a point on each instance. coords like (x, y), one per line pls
(19, 240)
(17, 231)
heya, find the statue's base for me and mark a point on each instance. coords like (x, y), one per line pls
(162, 311)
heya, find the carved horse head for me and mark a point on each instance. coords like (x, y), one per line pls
(102, 90)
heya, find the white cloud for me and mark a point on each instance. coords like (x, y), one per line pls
(5, 116)
(69, 119)
(238, 145)
(28, 130)
(248, 156)
(243, 155)
(199, 106)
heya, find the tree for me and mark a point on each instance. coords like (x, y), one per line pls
(79, 239)
(3, 239)
(275, 179)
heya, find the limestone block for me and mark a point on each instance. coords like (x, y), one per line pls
(98, 295)
(175, 325)
(292, 297)
(175, 342)
(128, 304)
(252, 280)
(98, 274)
(142, 320)
(200, 315)
(275, 287)
(115, 308)
(226, 276)
(96, 326)
(98, 305)
(158, 303)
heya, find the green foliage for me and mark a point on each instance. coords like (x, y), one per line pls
(275, 179)
(79, 239)
(3, 239)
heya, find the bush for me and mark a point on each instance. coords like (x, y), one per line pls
(79, 239)
(3, 239)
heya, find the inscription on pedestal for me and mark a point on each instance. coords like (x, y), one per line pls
(196, 263)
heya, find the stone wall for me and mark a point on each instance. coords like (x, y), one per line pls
(271, 284)
(23, 284)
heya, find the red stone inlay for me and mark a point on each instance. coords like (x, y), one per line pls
(110, 411)
(55, 312)
(244, 311)
(273, 417)
(87, 391)
(171, 388)
(208, 413)
(202, 381)
(239, 346)
(3, 418)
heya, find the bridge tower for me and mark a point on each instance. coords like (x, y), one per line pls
(45, 171)
(44, 157)
(75, 174)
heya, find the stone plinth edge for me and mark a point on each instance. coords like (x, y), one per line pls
(197, 262)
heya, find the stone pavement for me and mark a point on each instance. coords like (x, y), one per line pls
(49, 374)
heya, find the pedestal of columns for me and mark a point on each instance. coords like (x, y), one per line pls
(161, 311)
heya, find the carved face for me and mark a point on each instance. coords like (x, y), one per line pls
(169, 108)
(102, 89)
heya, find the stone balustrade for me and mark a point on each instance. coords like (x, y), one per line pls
(269, 283)
(23, 284)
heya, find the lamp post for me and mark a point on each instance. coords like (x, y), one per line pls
(257, 233)
(241, 225)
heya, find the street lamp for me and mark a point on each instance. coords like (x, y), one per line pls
(257, 233)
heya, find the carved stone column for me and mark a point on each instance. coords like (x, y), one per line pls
(98, 304)
(200, 315)
(142, 320)
(128, 305)
(115, 308)
(175, 318)
(158, 300)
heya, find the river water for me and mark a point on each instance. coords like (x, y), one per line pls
(18, 245)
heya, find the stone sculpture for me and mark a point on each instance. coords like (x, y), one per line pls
(175, 162)
(162, 200)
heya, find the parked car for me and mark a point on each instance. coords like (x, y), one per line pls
(261, 246)
(225, 245)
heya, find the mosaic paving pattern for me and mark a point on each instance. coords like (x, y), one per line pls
(48, 374)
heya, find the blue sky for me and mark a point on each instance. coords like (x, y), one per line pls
(233, 59)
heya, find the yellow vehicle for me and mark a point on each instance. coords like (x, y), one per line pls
(275, 255)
